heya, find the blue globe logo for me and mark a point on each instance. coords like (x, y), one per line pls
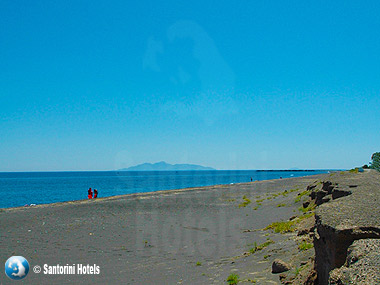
(16, 267)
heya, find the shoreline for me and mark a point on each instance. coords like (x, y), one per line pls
(156, 192)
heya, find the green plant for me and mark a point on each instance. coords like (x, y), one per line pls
(261, 246)
(305, 245)
(253, 249)
(305, 216)
(233, 279)
(287, 226)
(300, 195)
(293, 190)
(297, 271)
(198, 263)
(282, 227)
(245, 202)
(281, 205)
(285, 193)
(309, 208)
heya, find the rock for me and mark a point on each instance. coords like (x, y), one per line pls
(320, 195)
(330, 189)
(325, 185)
(326, 199)
(338, 193)
(279, 266)
(362, 264)
(311, 187)
(344, 222)
(311, 279)
(306, 204)
(303, 232)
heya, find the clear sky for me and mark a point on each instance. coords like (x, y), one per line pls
(101, 85)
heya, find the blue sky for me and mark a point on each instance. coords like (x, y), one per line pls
(101, 85)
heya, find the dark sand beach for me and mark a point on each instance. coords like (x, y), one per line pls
(189, 236)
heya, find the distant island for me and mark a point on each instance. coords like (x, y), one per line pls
(162, 166)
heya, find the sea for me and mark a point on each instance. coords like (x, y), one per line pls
(29, 188)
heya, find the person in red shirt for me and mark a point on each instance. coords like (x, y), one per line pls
(89, 193)
(95, 193)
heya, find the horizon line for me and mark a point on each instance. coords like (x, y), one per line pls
(120, 170)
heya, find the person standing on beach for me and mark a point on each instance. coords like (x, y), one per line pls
(95, 193)
(89, 193)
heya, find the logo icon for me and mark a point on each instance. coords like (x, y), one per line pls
(16, 267)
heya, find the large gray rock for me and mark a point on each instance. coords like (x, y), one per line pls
(279, 266)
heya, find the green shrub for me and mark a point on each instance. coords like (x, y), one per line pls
(305, 245)
(287, 226)
(233, 279)
(282, 227)
(261, 246)
(246, 202)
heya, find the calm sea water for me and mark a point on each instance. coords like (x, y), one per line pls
(21, 188)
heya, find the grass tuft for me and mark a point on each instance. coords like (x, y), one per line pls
(233, 279)
(287, 226)
(261, 246)
(305, 245)
(300, 195)
(246, 202)
(309, 208)
(282, 227)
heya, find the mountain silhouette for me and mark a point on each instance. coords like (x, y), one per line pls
(165, 166)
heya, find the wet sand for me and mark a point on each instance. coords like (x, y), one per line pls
(188, 236)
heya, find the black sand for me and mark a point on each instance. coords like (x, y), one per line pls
(190, 236)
